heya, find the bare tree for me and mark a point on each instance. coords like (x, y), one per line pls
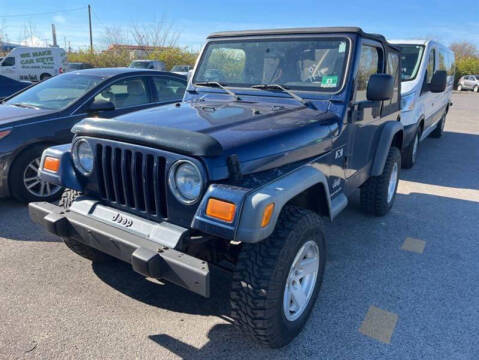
(115, 35)
(464, 49)
(159, 33)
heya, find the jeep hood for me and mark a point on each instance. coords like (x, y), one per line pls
(260, 134)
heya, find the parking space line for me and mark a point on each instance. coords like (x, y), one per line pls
(379, 324)
(413, 245)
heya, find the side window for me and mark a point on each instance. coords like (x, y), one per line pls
(9, 61)
(392, 69)
(168, 89)
(125, 93)
(430, 66)
(368, 65)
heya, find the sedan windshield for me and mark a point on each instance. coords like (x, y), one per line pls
(56, 93)
(140, 64)
(316, 64)
(411, 56)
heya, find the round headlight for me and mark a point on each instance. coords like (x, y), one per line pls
(83, 157)
(186, 181)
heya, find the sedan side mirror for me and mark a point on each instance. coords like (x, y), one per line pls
(380, 87)
(438, 81)
(101, 105)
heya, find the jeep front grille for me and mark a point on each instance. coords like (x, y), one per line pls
(132, 180)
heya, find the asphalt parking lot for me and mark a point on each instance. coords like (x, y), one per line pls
(404, 286)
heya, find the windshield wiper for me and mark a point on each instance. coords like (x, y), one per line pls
(298, 98)
(28, 106)
(218, 85)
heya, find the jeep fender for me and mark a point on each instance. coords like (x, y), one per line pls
(278, 192)
(390, 130)
(66, 175)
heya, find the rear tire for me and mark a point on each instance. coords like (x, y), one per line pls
(268, 274)
(45, 76)
(378, 192)
(87, 252)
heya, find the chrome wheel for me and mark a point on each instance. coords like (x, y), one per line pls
(393, 180)
(34, 185)
(301, 280)
(414, 148)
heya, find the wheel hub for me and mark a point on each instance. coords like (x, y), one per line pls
(301, 281)
(393, 179)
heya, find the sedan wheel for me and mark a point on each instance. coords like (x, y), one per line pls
(34, 185)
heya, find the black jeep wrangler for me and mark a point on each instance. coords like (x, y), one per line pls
(277, 128)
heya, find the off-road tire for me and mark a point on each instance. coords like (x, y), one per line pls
(15, 178)
(68, 197)
(374, 192)
(408, 158)
(439, 130)
(261, 273)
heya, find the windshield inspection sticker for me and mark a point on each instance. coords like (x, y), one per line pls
(329, 81)
(342, 47)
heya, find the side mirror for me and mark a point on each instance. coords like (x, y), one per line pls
(438, 81)
(101, 105)
(380, 87)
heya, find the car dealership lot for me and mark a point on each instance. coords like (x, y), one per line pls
(402, 286)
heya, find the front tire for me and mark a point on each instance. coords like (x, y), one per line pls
(276, 282)
(378, 192)
(410, 155)
(87, 252)
(24, 182)
(476, 89)
(459, 87)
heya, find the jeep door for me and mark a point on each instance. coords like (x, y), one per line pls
(364, 124)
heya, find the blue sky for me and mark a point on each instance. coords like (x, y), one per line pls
(446, 21)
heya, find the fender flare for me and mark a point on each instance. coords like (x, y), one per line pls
(390, 129)
(278, 192)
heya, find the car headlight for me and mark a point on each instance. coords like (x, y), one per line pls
(83, 157)
(408, 102)
(186, 181)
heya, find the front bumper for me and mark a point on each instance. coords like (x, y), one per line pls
(147, 257)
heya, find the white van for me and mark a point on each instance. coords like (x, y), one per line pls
(423, 105)
(33, 64)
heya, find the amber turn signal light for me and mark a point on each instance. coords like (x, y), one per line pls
(268, 212)
(222, 210)
(51, 164)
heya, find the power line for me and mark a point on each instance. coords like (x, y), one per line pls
(43, 13)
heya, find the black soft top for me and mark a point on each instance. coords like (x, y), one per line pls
(303, 31)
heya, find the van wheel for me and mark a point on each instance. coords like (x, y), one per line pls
(378, 193)
(439, 130)
(45, 76)
(410, 155)
(459, 87)
(24, 182)
(276, 281)
(87, 252)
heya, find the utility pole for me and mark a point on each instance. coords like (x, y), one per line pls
(54, 36)
(91, 36)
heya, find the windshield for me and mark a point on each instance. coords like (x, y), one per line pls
(180, 68)
(299, 63)
(57, 92)
(411, 56)
(140, 64)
